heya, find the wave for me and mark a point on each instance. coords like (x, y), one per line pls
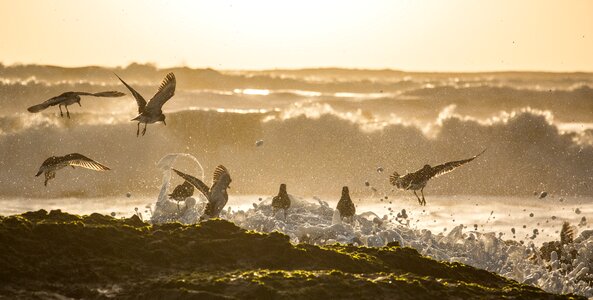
(418, 101)
(316, 150)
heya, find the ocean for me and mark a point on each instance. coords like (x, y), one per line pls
(317, 130)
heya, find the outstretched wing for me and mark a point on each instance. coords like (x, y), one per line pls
(567, 233)
(202, 187)
(79, 160)
(165, 92)
(139, 99)
(219, 173)
(102, 94)
(450, 166)
(47, 103)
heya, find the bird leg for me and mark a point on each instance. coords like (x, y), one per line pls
(67, 111)
(144, 131)
(61, 113)
(285, 215)
(419, 201)
(138, 130)
(423, 200)
(79, 104)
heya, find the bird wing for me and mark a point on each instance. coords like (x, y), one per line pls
(202, 187)
(450, 166)
(139, 99)
(102, 94)
(219, 173)
(567, 233)
(165, 92)
(79, 160)
(47, 103)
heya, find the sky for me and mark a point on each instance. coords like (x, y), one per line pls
(431, 35)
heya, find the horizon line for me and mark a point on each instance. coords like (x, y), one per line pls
(388, 69)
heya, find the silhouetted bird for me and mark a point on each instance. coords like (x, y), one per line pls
(152, 112)
(418, 180)
(281, 201)
(345, 205)
(216, 194)
(70, 98)
(54, 163)
(181, 192)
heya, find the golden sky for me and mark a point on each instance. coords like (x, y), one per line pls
(436, 35)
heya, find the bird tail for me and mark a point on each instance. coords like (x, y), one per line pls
(393, 178)
(37, 108)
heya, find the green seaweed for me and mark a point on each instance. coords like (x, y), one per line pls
(94, 256)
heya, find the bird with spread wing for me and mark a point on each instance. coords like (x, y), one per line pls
(54, 163)
(216, 194)
(418, 180)
(70, 98)
(151, 112)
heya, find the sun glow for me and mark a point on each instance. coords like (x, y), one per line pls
(267, 34)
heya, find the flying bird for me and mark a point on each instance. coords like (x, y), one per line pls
(418, 180)
(216, 194)
(281, 201)
(181, 192)
(345, 205)
(151, 112)
(70, 98)
(54, 163)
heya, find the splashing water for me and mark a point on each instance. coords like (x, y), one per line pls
(166, 210)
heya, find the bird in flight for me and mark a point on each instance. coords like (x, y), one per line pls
(345, 205)
(281, 201)
(54, 163)
(418, 180)
(69, 98)
(216, 194)
(151, 112)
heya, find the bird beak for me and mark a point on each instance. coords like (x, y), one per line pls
(38, 173)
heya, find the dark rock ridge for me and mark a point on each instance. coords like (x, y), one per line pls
(55, 254)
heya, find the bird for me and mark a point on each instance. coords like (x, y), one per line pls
(181, 192)
(281, 201)
(345, 205)
(54, 163)
(418, 180)
(216, 194)
(69, 98)
(151, 112)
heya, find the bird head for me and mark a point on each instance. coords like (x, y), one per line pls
(427, 167)
(162, 119)
(345, 191)
(282, 188)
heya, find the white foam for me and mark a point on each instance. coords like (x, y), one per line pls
(315, 222)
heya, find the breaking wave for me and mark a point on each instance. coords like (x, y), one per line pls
(314, 148)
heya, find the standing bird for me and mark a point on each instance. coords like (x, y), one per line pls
(216, 194)
(418, 180)
(345, 205)
(54, 163)
(181, 192)
(281, 201)
(151, 112)
(70, 98)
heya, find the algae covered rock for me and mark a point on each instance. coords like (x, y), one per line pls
(61, 255)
